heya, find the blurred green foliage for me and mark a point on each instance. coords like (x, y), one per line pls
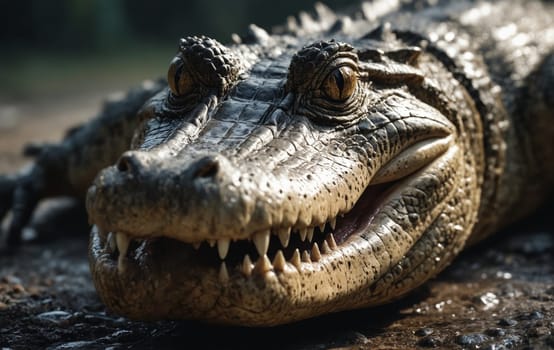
(67, 47)
(104, 24)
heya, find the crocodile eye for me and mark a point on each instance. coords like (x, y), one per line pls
(340, 84)
(179, 78)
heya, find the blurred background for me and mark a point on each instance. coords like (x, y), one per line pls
(60, 59)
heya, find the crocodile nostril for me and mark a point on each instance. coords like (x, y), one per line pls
(128, 163)
(206, 167)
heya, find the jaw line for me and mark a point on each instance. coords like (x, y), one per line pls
(349, 225)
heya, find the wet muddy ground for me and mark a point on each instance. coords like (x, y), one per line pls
(498, 295)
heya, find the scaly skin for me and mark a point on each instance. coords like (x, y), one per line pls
(337, 165)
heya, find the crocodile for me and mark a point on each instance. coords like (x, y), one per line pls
(338, 162)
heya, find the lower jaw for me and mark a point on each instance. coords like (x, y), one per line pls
(170, 283)
(165, 285)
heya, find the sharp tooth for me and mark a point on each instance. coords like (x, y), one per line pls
(211, 242)
(325, 248)
(122, 242)
(306, 256)
(279, 261)
(223, 274)
(303, 232)
(316, 254)
(263, 265)
(247, 265)
(261, 241)
(333, 223)
(284, 236)
(322, 227)
(310, 233)
(331, 241)
(111, 245)
(295, 259)
(223, 247)
(196, 245)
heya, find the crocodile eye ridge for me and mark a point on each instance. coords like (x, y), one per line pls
(340, 84)
(202, 66)
(327, 83)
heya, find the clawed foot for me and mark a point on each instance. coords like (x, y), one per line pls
(19, 194)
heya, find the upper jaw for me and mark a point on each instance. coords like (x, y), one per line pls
(206, 196)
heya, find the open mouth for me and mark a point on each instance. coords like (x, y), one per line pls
(276, 249)
(280, 248)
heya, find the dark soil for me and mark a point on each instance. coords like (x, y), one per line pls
(498, 295)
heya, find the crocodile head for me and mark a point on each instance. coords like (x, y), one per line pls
(274, 183)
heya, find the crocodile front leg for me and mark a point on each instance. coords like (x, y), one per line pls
(67, 168)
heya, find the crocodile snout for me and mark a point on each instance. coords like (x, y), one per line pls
(167, 197)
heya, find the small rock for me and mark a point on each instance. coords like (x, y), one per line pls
(99, 318)
(536, 315)
(511, 341)
(429, 342)
(122, 334)
(57, 316)
(76, 345)
(495, 332)
(422, 332)
(471, 339)
(488, 300)
(507, 322)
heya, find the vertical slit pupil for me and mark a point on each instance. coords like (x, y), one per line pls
(176, 78)
(339, 80)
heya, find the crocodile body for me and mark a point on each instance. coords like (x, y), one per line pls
(337, 163)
